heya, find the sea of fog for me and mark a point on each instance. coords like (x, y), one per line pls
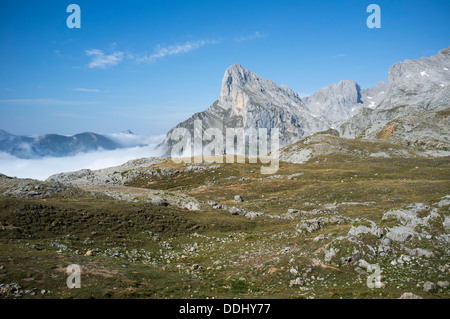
(42, 168)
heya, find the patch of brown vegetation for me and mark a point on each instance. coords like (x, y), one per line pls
(443, 113)
(387, 131)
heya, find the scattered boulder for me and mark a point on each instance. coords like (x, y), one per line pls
(159, 201)
(400, 234)
(320, 237)
(409, 295)
(429, 286)
(362, 229)
(442, 284)
(297, 282)
(238, 199)
(330, 254)
(313, 226)
(293, 271)
(190, 205)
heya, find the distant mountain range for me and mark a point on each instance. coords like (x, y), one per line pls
(55, 145)
(411, 109)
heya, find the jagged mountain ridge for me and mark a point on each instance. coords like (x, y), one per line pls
(340, 101)
(248, 101)
(414, 110)
(411, 109)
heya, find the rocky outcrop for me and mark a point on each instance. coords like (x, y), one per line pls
(117, 175)
(30, 188)
(325, 144)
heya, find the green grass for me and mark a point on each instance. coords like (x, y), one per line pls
(145, 251)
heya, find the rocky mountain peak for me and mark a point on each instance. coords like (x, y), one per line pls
(413, 110)
(337, 101)
(421, 75)
(241, 86)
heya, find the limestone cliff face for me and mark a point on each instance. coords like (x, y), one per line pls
(336, 102)
(248, 101)
(414, 108)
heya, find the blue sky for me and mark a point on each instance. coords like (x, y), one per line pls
(146, 65)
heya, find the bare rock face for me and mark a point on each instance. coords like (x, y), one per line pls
(248, 101)
(373, 96)
(414, 110)
(336, 102)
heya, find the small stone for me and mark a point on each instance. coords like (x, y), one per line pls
(313, 226)
(442, 284)
(297, 282)
(89, 253)
(238, 199)
(320, 237)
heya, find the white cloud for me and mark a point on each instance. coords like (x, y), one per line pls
(342, 55)
(100, 60)
(131, 140)
(249, 37)
(161, 52)
(87, 90)
(44, 167)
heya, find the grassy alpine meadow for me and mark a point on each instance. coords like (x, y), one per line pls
(309, 231)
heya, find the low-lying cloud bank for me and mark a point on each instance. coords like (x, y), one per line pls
(131, 140)
(42, 168)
